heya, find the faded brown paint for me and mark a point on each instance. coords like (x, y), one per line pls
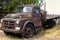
(36, 19)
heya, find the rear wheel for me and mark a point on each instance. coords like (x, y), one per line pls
(49, 24)
(29, 31)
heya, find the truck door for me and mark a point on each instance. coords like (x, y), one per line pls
(37, 16)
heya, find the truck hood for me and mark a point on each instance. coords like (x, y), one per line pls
(19, 15)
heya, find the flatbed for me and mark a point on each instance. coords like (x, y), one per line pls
(50, 16)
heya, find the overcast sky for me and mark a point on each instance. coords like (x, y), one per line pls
(53, 6)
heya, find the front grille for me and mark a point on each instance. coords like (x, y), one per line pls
(8, 24)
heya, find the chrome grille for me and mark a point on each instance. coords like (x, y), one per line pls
(8, 24)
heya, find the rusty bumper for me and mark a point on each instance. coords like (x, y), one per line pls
(11, 30)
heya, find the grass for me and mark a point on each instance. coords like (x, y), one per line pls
(50, 31)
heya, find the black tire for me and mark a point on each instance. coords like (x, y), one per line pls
(7, 33)
(49, 24)
(29, 31)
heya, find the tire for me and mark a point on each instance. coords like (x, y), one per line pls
(29, 31)
(50, 24)
(7, 33)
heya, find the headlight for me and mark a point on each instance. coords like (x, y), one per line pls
(17, 28)
(17, 21)
(20, 16)
(1, 20)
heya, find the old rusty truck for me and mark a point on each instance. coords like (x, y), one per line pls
(27, 20)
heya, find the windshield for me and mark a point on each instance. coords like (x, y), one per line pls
(25, 9)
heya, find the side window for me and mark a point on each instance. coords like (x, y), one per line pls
(20, 9)
(36, 11)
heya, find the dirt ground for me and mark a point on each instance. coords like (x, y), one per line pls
(43, 34)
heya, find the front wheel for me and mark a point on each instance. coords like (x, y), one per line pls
(29, 31)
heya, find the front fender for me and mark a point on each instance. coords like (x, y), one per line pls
(26, 24)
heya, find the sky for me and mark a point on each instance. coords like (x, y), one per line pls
(53, 7)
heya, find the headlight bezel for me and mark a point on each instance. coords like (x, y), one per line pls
(17, 22)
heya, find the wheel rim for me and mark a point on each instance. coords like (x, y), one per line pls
(28, 32)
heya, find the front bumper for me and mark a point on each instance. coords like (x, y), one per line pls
(11, 30)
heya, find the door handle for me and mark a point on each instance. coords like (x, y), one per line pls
(33, 15)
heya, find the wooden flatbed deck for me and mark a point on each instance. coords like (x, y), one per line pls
(49, 16)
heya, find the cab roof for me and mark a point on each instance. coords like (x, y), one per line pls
(30, 5)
